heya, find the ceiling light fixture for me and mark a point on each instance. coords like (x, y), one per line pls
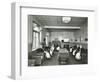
(66, 19)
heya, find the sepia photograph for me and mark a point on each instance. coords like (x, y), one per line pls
(57, 40)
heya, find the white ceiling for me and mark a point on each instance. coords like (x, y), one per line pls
(57, 20)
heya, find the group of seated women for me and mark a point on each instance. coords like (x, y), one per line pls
(39, 55)
(79, 52)
(48, 51)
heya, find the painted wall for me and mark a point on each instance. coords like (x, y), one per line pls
(71, 34)
(82, 33)
(63, 34)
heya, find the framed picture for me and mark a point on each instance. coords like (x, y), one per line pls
(52, 42)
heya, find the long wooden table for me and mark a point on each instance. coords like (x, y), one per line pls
(63, 56)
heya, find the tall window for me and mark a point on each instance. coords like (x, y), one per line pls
(36, 37)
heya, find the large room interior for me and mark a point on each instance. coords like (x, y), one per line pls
(57, 40)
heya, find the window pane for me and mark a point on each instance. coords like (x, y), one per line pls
(36, 39)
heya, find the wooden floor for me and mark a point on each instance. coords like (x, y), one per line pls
(54, 60)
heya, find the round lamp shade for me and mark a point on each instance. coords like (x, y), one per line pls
(66, 19)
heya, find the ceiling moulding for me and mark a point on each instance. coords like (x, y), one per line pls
(61, 27)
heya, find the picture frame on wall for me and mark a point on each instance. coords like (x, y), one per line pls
(41, 34)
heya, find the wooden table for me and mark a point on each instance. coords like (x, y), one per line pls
(63, 56)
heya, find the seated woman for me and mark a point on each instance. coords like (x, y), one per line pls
(73, 50)
(58, 48)
(78, 54)
(47, 52)
(76, 49)
(70, 49)
(51, 50)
